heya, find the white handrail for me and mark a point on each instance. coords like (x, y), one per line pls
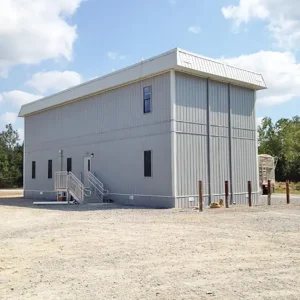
(75, 187)
(92, 175)
(61, 180)
(96, 186)
(67, 181)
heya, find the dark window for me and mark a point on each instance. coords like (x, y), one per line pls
(147, 99)
(69, 164)
(89, 165)
(147, 163)
(33, 170)
(50, 168)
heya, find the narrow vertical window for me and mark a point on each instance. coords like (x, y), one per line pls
(147, 163)
(69, 164)
(89, 165)
(50, 169)
(147, 96)
(33, 170)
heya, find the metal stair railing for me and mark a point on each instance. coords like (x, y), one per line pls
(68, 182)
(75, 187)
(61, 181)
(97, 187)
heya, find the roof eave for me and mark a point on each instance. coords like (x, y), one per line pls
(220, 78)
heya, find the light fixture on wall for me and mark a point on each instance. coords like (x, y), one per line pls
(92, 155)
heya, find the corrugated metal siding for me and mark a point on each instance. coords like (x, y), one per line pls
(208, 66)
(191, 167)
(192, 155)
(243, 142)
(108, 112)
(191, 106)
(113, 126)
(191, 117)
(219, 107)
(243, 104)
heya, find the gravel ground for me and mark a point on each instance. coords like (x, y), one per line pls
(111, 252)
(12, 193)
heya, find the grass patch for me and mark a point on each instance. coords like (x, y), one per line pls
(294, 188)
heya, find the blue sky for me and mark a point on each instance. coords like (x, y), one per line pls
(52, 45)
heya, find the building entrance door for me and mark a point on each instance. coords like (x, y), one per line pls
(87, 167)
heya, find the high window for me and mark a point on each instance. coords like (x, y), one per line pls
(147, 96)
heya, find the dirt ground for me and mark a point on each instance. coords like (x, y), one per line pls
(12, 193)
(111, 252)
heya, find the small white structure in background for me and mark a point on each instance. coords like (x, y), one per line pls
(267, 165)
(151, 130)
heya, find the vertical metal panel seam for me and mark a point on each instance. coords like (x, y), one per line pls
(256, 144)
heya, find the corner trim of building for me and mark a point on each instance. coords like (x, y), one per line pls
(230, 145)
(173, 132)
(24, 157)
(256, 145)
(208, 142)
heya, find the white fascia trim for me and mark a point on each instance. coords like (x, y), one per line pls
(212, 68)
(148, 68)
(175, 59)
(224, 79)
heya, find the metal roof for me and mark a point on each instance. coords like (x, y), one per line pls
(176, 59)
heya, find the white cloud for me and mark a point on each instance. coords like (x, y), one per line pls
(31, 33)
(194, 29)
(259, 121)
(8, 118)
(172, 2)
(281, 73)
(282, 17)
(276, 99)
(54, 80)
(115, 55)
(245, 11)
(18, 98)
(21, 135)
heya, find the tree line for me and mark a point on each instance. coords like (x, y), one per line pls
(280, 139)
(11, 159)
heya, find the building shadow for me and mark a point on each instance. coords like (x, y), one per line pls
(28, 203)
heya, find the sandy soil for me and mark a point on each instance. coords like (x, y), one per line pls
(12, 193)
(109, 252)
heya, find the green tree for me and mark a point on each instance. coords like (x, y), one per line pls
(11, 159)
(282, 139)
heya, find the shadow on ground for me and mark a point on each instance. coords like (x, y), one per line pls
(28, 203)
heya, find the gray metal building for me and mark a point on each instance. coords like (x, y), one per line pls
(149, 132)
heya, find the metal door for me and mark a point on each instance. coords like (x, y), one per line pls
(87, 167)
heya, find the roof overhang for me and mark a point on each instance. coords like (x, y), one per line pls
(176, 59)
